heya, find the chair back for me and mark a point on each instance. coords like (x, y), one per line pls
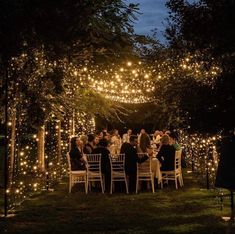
(94, 162)
(117, 162)
(144, 167)
(178, 159)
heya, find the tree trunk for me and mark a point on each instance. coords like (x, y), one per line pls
(73, 124)
(12, 147)
(59, 142)
(41, 148)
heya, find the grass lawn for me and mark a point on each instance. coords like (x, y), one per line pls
(187, 210)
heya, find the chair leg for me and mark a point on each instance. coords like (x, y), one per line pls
(86, 184)
(137, 184)
(101, 183)
(176, 184)
(152, 182)
(70, 184)
(111, 186)
(127, 190)
(181, 178)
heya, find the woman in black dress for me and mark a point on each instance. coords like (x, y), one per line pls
(166, 154)
(77, 160)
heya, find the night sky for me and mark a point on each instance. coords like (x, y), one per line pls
(153, 16)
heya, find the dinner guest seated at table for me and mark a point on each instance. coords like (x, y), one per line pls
(102, 149)
(131, 160)
(166, 154)
(77, 160)
(173, 141)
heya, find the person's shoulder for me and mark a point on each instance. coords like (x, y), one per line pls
(96, 150)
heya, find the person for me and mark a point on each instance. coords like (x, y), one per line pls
(225, 177)
(84, 139)
(115, 142)
(157, 138)
(166, 154)
(89, 147)
(77, 160)
(173, 140)
(131, 158)
(144, 141)
(126, 136)
(105, 162)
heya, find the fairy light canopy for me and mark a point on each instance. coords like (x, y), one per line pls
(125, 83)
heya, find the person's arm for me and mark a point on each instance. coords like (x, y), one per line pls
(160, 155)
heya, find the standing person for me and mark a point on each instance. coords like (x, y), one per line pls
(225, 177)
(126, 136)
(145, 141)
(131, 158)
(105, 162)
(77, 160)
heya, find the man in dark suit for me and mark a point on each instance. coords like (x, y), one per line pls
(105, 163)
(131, 158)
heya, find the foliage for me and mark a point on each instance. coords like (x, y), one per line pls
(38, 37)
(207, 27)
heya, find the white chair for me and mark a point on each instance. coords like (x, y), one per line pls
(144, 172)
(94, 169)
(175, 174)
(117, 163)
(76, 177)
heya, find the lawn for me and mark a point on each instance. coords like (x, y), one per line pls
(187, 210)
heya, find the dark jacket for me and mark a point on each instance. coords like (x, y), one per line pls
(225, 177)
(131, 158)
(88, 148)
(105, 163)
(166, 156)
(76, 160)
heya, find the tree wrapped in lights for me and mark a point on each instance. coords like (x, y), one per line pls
(207, 27)
(35, 42)
(202, 156)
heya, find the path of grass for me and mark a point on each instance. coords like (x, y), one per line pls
(188, 210)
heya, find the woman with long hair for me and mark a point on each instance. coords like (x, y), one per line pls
(77, 160)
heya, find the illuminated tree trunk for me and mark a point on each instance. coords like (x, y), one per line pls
(73, 124)
(59, 142)
(12, 146)
(41, 148)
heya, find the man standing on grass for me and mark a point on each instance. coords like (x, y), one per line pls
(131, 158)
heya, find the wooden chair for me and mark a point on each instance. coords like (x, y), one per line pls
(175, 174)
(76, 177)
(117, 163)
(94, 169)
(144, 172)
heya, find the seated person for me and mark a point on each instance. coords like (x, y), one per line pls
(89, 146)
(166, 154)
(77, 160)
(173, 141)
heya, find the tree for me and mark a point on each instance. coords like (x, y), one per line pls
(207, 27)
